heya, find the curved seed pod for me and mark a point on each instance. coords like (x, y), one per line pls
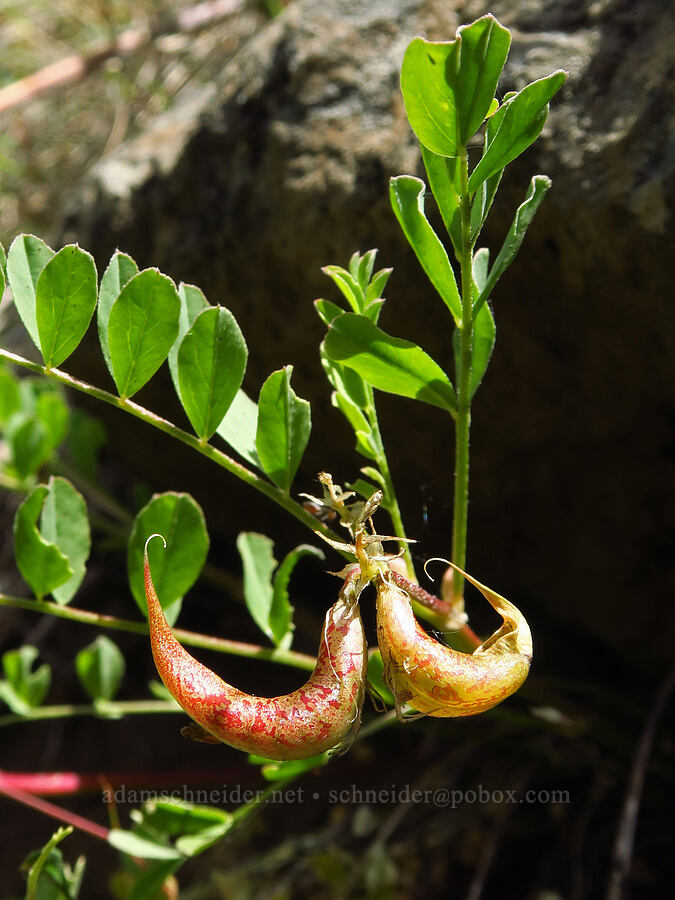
(322, 715)
(437, 680)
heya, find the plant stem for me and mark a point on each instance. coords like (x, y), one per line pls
(56, 812)
(239, 471)
(383, 465)
(17, 485)
(110, 708)
(35, 870)
(210, 452)
(463, 420)
(234, 648)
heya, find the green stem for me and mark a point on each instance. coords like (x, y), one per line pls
(463, 420)
(222, 459)
(38, 865)
(238, 470)
(234, 648)
(109, 709)
(16, 485)
(383, 465)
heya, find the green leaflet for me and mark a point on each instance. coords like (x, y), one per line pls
(516, 124)
(387, 363)
(407, 200)
(536, 192)
(27, 257)
(266, 586)
(257, 556)
(121, 269)
(211, 364)
(448, 87)
(284, 425)
(64, 523)
(192, 303)
(142, 326)
(100, 668)
(24, 688)
(65, 300)
(41, 562)
(281, 612)
(238, 427)
(180, 521)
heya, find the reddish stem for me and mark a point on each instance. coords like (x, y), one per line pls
(431, 601)
(56, 812)
(68, 783)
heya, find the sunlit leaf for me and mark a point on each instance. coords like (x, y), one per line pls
(142, 326)
(121, 269)
(536, 192)
(192, 303)
(484, 332)
(180, 521)
(65, 300)
(448, 87)
(132, 844)
(239, 426)
(211, 365)
(64, 523)
(407, 200)
(27, 257)
(516, 124)
(284, 425)
(348, 285)
(387, 363)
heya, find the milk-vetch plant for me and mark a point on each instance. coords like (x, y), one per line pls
(449, 91)
(452, 100)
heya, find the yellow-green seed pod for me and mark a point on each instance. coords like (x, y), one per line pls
(438, 681)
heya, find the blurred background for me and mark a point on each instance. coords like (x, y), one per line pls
(241, 146)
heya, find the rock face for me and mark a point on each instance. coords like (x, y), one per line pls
(283, 166)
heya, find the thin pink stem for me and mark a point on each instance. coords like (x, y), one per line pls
(68, 783)
(56, 812)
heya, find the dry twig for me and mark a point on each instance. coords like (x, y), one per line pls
(78, 65)
(625, 834)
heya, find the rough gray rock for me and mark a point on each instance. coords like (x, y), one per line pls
(283, 167)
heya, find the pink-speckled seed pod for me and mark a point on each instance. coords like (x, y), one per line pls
(438, 681)
(322, 715)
